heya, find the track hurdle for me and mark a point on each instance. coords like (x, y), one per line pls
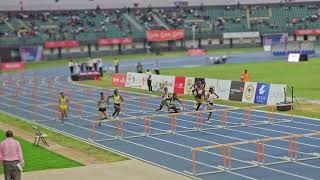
(260, 155)
(224, 118)
(34, 94)
(54, 98)
(271, 114)
(247, 117)
(119, 129)
(147, 123)
(173, 122)
(199, 120)
(260, 149)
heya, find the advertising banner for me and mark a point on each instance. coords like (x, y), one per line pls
(301, 32)
(236, 91)
(262, 93)
(111, 41)
(159, 82)
(136, 80)
(239, 35)
(197, 52)
(165, 35)
(61, 44)
(119, 79)
(222, 87)
(293, 57)
(179, 84)
(12, 66)
(249, 92)
(188, 84)
(269, 39)
(276, 94)
(32, 53)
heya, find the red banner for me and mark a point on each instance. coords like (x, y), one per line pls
(119, 79)
(197, 52)
(165, 35)
(63, 44)
(12, 66)
(110, 41)
(179, 84)
(302, 32)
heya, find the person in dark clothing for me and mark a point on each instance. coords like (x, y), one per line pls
(149, 82)
(116, 63)
(157, 67)
(139, 68)
(71, 66)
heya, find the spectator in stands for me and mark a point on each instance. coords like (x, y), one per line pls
(116, 63)
(12, 157)
(149, 82)
(100, 65)
(245, 76)
(139, 68)
(71, 66)
(157, 67)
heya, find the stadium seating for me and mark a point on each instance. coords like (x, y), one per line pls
(89, 25)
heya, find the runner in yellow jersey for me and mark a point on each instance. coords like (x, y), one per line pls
(63, 106)
(117, 100)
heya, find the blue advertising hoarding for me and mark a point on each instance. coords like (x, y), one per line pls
(262, 93)
(31, 53)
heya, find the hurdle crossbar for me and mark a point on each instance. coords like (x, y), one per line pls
(201, 148)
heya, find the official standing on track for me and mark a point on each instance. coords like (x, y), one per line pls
(139, 68)
(100, 65)
(157, 67)
(12, 157)
(116, 63)
(149, 82)
(245, 76)
(71, 66)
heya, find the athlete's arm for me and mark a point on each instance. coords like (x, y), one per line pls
(109, 98)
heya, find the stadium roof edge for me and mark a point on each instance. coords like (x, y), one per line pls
(32, 5)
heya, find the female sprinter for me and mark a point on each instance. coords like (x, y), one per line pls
(210, 97)
(63, 106)
(173, 103)
(165, 98)
(102, 105)
(117, 100)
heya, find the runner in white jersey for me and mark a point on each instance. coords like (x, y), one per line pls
(165, 98)
(210, 98)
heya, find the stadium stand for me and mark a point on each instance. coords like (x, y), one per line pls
(36, 27)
